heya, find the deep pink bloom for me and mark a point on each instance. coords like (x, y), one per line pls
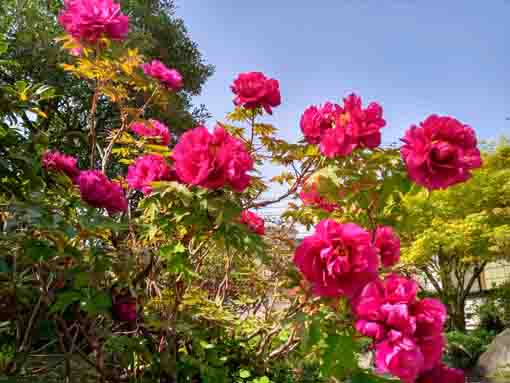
(368, 302)
(400, 356)
(152, 128)
(212, 160)
(398, 317)
(432, 348)
(98, 191)
(338, 142)
(253, 221)
(442, 374)
(399, 289)
(374, 330)
(440, 152)
(338, 259)
(430, 316)
(170, 78)
(311, 197)
(366, 123)
(147, 169)
(393, 290)
(254, 90)
(89, 20)
(124, 309)
(54, 160)
(407, 332)
(316, 120)
(387, 243)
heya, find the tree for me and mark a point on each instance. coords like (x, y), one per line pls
(30, 29)
(451, 235)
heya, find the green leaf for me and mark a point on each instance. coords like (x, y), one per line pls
(98, 303)
(206, 345)
(21, 85)
(82, 280)
(245, 374)
(339, 356)
(39, 250)
(4, 267)
(314, 333)
(176, 260)
(3, 47)
(64, 300)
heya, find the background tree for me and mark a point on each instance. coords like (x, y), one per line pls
(30, 29)
(450, 236)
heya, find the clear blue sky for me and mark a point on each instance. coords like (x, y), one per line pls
(414, 57)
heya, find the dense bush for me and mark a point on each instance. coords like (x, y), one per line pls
(464, 349)
(494, 312)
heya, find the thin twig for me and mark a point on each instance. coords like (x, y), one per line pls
(293, 189)
(284, 347)
(109, 148)
(92, 128)
(35, 311)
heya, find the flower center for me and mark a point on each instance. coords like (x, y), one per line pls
(442, 152)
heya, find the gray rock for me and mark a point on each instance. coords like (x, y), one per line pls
(495, 362)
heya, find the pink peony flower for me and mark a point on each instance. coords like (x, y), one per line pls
(340, 130)
(432, 348)
(400, 356)
(147, 169)
(368, 302)
(54, 160)
(440, 152)
(338, 259)
(152, 128)
(254, 90)
(397, 317)
(253, 221)
(387, 243)
(338, 142)
(312, 197)
(366, 123)
(430, 316)
(124, 309)
(442, 374)
(89, 20)
(407, 332)
(98, 191)
(374, 330)
(399, 289)
(170, 78)
(393, 290)
(315, 121)
(212, 160)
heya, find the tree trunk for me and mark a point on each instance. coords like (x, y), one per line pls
(457, 315)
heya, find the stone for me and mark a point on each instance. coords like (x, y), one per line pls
(495, 362)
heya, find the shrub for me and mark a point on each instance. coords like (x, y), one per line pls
(464, 349)
(494, 313)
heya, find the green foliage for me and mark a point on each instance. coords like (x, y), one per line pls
(464, 349)
(449, 236)
(494, 312)
(33, 56)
